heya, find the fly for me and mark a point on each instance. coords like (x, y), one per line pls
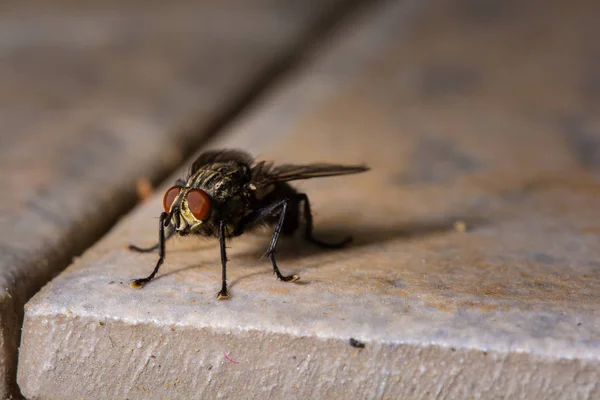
(227, 193)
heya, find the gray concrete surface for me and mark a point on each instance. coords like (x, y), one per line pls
(474, 271)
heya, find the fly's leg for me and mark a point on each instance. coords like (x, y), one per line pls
(308, 233)
(275, 238)
(222, 295)
(138, 249)
(259, 216)
(138, 283)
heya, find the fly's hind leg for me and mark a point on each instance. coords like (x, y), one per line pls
(261, 215)
(275, 238)
(308, 233)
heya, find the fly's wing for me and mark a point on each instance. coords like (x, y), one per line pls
(264, 174)
(219, 156)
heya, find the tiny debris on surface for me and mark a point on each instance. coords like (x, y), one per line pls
(357, 344)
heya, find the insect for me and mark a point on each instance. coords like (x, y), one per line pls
(227, 193)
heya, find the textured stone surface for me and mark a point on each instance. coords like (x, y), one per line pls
(474, 271)
(96, 96)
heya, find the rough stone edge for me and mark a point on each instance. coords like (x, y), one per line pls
(14, 298)
(274, 366)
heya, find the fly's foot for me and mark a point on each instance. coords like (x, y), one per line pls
(222, 295)
(139, 283)
(289, 278)
(284, 278)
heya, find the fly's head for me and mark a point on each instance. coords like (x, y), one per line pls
(188, 208)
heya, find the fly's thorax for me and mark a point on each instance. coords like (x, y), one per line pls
(227, 184)
(220, 180)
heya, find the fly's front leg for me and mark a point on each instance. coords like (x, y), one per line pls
(223, 293)
(308, 233)
(138, 283)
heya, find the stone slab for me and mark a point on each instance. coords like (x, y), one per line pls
(97, 95)
(474, 271)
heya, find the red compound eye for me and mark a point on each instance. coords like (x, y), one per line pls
(199, 203)
(170, 197)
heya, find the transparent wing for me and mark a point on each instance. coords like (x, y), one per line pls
(264, 173)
